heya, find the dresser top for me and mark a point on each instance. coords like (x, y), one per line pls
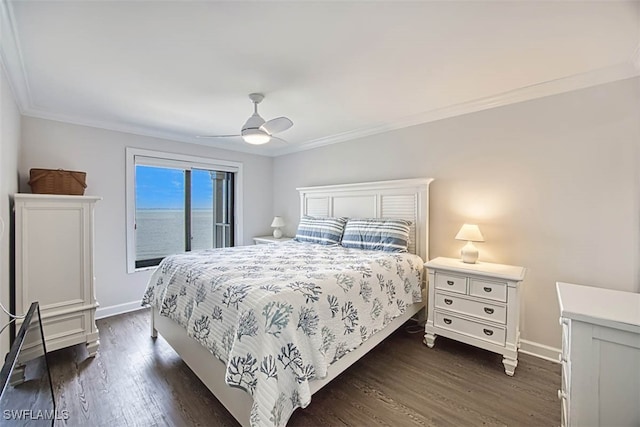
(605, 307)
(500, 271)
(54, 197)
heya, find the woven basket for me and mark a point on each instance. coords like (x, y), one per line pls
(57, 181)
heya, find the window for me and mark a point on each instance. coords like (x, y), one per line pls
(177, 204)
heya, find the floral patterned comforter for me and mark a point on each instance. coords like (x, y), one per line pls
(279, 314)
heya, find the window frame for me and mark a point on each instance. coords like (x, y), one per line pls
(166, 159)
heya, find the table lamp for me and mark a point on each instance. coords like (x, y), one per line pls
(470, 233)
(276, 224)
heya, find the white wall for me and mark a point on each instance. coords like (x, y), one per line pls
(553, 184)
(9, 149)
(101, 153)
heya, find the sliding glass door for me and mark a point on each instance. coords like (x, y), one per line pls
(180, 208)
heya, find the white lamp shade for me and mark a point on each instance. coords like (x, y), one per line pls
(278, 222)
(470, 233)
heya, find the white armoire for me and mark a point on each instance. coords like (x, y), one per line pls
(54, 265)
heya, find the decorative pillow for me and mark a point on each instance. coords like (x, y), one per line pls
(389, 235)
(325, 230)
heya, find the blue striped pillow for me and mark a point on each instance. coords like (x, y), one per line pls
(325, 231)
(388, 235)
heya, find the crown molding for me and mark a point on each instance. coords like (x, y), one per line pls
(626, 70)
(11, 57)
(146, 132)
(622, 71)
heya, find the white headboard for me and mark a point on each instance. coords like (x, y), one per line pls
(405, 198)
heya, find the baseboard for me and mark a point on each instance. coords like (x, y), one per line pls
(540, 350)
(113, 310)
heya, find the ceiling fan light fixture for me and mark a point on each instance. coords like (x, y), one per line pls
(256, 130)
(255, 136)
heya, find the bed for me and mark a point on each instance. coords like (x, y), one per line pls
(264, 327)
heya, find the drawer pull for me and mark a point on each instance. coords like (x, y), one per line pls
(448, 301)
(488, 310)
(487, 289)
(447, 321)
(450, 282)
(488, 332)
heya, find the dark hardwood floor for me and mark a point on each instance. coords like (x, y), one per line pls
(138, 381)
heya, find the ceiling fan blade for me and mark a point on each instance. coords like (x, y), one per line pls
(216, 136)
(279, 124)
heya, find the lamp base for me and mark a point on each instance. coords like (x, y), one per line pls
(469, 253)
(277, 233)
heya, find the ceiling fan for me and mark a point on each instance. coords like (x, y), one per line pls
(255, 130)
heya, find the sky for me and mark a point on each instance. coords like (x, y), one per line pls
(163, 188)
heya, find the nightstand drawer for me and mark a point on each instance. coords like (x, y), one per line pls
(451, 283)
(490, 290)
(492, 312)
(477, 330)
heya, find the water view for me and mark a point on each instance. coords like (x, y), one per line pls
(160, 232)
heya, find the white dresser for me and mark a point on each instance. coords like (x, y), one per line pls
(600, 356)
(54, 266)
(478, 304)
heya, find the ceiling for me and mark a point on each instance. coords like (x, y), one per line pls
(338, 69)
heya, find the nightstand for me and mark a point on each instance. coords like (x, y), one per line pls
(478, 304)
(260, 240)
